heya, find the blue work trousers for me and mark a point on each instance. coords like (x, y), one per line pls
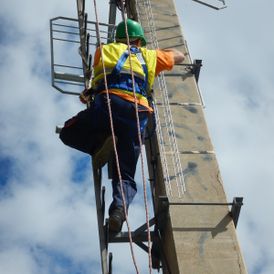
(87, 131)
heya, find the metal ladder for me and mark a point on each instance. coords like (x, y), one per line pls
(77, 36)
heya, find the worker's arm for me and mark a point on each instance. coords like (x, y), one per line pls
(178, 56)
(167, 58)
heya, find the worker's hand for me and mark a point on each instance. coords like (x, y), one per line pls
(178, 56)
(85, 96)
(82, 99)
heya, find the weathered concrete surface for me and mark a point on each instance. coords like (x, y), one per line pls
(197, 239)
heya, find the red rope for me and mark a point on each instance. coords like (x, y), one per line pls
(140, 142)
(115, 147)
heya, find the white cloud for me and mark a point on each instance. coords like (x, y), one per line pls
(17, 260)
(41, 205)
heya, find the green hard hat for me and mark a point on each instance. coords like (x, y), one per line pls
(134, 29)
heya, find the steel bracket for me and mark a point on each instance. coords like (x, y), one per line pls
(194, 68)
(236, 206)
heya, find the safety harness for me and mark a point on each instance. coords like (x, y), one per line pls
(122, 79)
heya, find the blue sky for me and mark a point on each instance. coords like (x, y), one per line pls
(47, 212)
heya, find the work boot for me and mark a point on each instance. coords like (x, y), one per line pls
(105, 152)
(116, 219)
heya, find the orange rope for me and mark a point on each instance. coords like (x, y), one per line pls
(115, 147)
(140, 142)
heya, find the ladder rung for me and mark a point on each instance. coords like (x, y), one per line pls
(123, 237)
(69, 77)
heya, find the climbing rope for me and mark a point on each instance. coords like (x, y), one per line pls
(170, 130)
(113, 136)
(140, 141)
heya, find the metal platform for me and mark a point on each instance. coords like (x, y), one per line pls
(70, 59)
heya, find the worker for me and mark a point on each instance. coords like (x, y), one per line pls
(90, 130)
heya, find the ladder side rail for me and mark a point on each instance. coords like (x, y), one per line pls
(97, 174)
(82, 22)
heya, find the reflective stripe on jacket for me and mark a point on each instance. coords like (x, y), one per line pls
(118, 73)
